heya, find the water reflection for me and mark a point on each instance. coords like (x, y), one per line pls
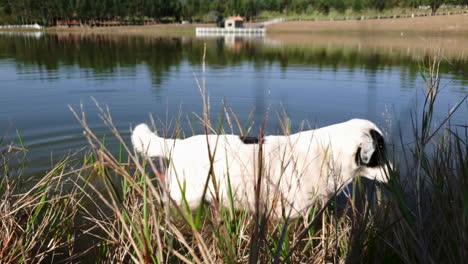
(35, 34)
(371, 95)
(106, 53)
(415, 45)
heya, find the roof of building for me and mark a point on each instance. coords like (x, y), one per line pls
(236, 18)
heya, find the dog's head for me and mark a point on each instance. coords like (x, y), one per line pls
(362, 150)
(369, 151)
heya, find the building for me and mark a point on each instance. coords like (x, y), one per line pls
(232, 26)
(234, 22)
(66, 23)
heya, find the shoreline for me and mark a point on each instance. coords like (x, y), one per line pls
(417, 36)
(440, 24)
(157, 29)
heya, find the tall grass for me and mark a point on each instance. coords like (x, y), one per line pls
(38, 219)
(420, 216)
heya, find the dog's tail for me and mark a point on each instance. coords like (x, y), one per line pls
(148, 143)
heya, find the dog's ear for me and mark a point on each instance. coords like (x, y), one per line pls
(371, 150)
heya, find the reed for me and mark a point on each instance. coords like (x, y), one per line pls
(38, 219)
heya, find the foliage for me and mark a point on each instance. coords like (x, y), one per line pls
(48, 12)
(434, 4)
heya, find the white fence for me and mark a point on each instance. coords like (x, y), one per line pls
(273, 21)
(33, 26)
(208, 31)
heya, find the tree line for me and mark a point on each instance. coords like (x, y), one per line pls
(48, 12)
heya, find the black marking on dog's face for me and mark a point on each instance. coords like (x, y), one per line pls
(379, 157)
(249, 140)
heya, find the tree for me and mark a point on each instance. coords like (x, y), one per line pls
(298, 6)
(323, 5)
(357, 5)
(248, 9)
(191, 9)
(339, 5)
(434, 4)
(377, 4)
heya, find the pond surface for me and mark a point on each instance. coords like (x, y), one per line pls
(322, 80)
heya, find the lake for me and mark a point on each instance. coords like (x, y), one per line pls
(322, 79)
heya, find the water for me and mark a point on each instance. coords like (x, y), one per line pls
(319, 81)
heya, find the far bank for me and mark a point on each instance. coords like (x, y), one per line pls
(447, 24)
(429, 24)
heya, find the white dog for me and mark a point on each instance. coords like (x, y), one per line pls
(294, 169)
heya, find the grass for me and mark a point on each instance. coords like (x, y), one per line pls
(358, 15)
(122, 206)
(38, 225)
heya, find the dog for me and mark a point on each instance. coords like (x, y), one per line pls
(286, 172)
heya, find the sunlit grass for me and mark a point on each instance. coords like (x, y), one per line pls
(358, 15)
